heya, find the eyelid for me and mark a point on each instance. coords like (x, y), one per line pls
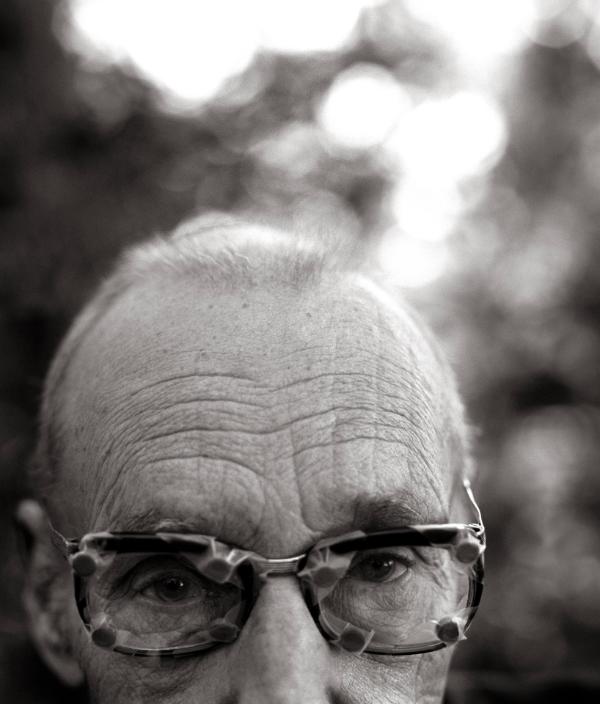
(127, 577)
(401, 551)
(407, 561)
(149, 590)
(156, 573)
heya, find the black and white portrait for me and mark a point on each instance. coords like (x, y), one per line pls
(299, 398)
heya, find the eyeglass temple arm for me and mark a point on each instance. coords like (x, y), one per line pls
(65, 546)
(479, 527)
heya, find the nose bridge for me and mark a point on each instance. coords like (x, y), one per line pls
(281, 655)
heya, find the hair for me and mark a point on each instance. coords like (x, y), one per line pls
(225, 253)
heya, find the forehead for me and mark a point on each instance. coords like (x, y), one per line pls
(266, 417)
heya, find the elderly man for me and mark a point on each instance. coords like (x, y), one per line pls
(252, 469)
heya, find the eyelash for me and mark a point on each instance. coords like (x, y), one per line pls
(129, 581)
(402, 559)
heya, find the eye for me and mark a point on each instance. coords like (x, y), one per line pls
(378, 567)
(166, 580)
(171, 588)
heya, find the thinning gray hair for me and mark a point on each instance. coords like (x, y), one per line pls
(223, 253)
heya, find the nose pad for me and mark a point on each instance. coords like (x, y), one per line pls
(280, 655)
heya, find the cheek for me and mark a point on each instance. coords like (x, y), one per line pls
(431, 675)
(414, 679)
(114, 678)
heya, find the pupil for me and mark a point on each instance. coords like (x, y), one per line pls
(172, 588)
(378, 568)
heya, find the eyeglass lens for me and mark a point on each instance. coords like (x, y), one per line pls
(395, 596)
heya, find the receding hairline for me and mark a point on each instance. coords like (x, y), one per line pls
(222, 254)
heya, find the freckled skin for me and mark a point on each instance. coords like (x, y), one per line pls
(258, 417)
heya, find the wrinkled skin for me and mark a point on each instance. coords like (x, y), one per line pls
(269, 419)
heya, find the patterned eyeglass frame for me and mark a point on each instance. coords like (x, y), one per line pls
(465, 540)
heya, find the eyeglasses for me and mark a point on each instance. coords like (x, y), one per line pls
(409, 590)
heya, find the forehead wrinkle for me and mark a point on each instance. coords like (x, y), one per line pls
(401, 385)
(378, 381)
(424, 411)
(296, 468)
(121, 437)
(356, 384)
(105, 487)
(182, 402)
(160, 383)
(228, 506)
(440, 412)
(414, 412)
(399, 423)
(419, 338)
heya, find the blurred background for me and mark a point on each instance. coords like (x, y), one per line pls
(457, 144)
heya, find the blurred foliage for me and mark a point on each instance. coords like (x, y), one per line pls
(89, 164)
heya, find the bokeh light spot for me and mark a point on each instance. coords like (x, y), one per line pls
(480, 32)
(362, 106)
(425, 211)
(185, 50)
(411, 262)
(558, 23)
(451, 138)
(299, 26)
(189, 48)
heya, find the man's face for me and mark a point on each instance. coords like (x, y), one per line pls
(269, 419)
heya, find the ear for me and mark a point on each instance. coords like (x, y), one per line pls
(47, 596)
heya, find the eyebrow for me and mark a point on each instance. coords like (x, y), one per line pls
(373, 514)
(368, 514)
(156, 520)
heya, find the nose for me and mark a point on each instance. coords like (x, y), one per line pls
(281, 657)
